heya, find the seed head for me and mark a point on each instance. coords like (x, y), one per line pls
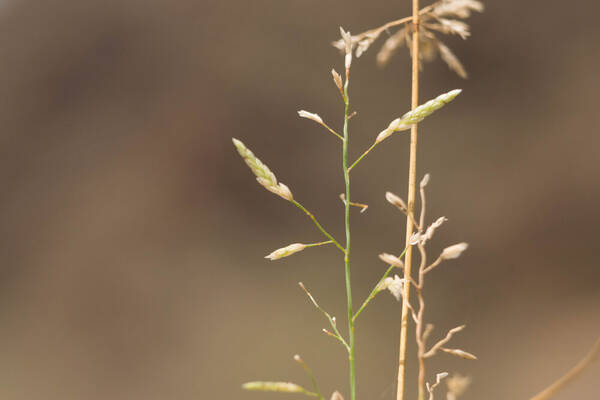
(286, 251)
(309, 115)
(424, 181)
(336, 396)
(397, 201)
(337, 78)
(454, 251)
(424, 110)
(263, 174)
(460, 353)
(391, 260)
(395, 285)
(287, 387)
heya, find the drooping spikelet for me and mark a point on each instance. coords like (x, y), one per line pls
(264, 176)
(418, 114)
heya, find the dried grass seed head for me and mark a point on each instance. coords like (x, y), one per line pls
(395, 285)
(347, 38)
(457, 8)
(457, 384)
(424, 181)
(454, 251)
(391, 260)
(422, 238)
(396, 201)
(337, 79)
(311, 116)
(460, 353)
(336, 396)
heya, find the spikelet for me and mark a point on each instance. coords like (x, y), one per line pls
(392, 43)
(418, 114)
(311, 116)
(424, 110)
(451, 60)
(263, 174)
(457, 385)
(337, 79)
(457, 8)
(423, 238)
(460, 353)
(336, 396)
(286, 251)
(454, 251)
(287, 387)
(395, 285)
(391, 260)
(396, 201)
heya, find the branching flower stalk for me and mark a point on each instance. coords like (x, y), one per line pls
(351, 352)
(268, 180)
(422, 330)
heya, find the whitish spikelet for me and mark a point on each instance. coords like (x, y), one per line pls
(454, 251)
(286, 251)
(425, 181)
(450, 58)
(458, 8)
(263, 174)
(337, 78)
(457, 385)
(336, 396)
(347, 38)
(312, 116)
(431, 229)
(287, 387)
(396, 201)
(460, 353)
(395, 285)
(391, 260)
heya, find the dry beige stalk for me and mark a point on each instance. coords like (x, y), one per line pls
(551, 390)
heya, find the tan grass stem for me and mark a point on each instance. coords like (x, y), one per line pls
(551, 390)
(412, 179)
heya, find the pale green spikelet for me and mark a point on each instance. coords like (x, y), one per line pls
(264, 175)
(286, 251)
(286, 387)
(418, 114)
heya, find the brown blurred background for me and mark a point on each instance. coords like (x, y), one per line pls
(133, 236)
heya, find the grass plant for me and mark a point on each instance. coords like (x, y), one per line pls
(419, 33)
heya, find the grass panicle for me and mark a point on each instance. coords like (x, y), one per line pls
(419, 33)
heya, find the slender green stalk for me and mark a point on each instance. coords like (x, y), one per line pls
(312, 217)
(319, 244)
(331, 320)
(376, 288)
(347, 255)
(362, 156)
(310, 374)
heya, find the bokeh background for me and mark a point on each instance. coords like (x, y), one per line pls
(132, 236)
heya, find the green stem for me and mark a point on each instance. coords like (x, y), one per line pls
(312, 217)
(376, 288)
(362, 156)
(347, 251)
(319, 244)
(310, 375)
